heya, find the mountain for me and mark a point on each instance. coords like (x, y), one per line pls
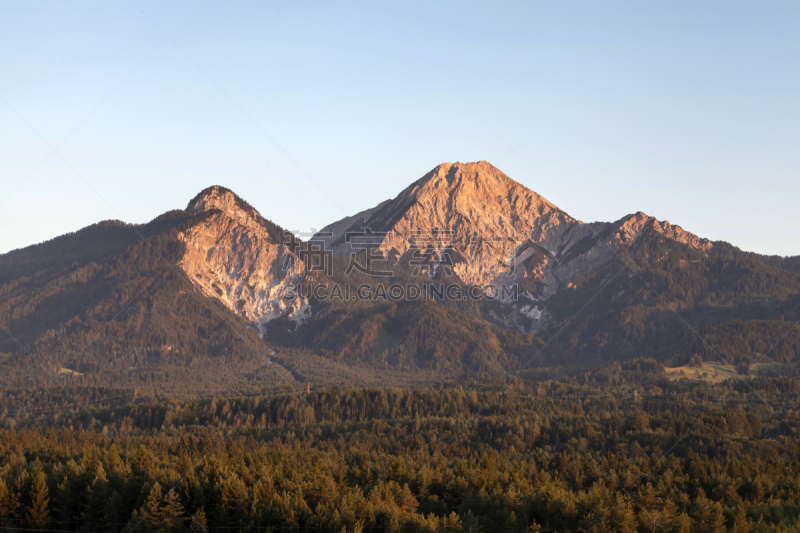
(216, 297)
(478, 207)
(493, 231)
(597, 292)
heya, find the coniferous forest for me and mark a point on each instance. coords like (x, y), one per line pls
(498, 455)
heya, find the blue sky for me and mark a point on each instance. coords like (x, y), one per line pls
(687, 111)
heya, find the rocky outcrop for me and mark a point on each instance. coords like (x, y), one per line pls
(630, 228)
(233, 255)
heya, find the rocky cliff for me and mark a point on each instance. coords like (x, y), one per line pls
(236, 256)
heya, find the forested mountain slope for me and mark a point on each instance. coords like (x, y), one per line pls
(663, 300)
(109, 302)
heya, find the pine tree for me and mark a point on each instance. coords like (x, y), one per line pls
(171, 516)
(97, 496)
(622, 515)
(702, 509)
(141, 461)
(648, 498)
(38, 512)
(406, 500)
(716, 522)
(150, 511)
(649, 521)
(63, 499)
(197, 523)
(234, 496)
(114, 510)
(451, 524)
(741, 524)
(682, 524)
(136, 524)
(668, 514)
(8, 502)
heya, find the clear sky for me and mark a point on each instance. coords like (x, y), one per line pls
(311, 110)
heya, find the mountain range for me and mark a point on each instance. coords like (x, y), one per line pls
(464, 271)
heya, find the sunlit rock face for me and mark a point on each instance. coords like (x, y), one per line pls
(232, 256)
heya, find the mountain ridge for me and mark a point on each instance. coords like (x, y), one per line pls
(108, 303)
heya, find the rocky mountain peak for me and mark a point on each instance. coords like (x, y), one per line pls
(225, 200)
(470, 201)
(238, 257)
(214, 197)
(233, 207)
(478, 180)
(453, 175)
(484, 226)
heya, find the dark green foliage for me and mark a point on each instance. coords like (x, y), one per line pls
(523, 457)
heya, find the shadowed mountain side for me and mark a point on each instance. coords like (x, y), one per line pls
(677, 304)
(409, 335)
